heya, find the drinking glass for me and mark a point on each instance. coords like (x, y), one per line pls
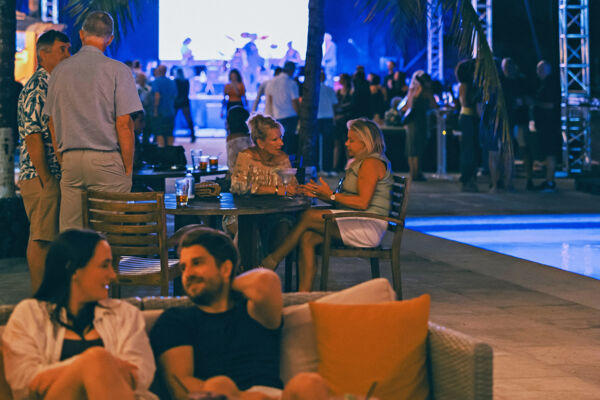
(213, 162)
(287, 175)
(181, 192)
(203, 165)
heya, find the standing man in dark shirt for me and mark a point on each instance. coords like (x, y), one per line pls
(165, 92)
(546, 117)
(229, 341)
(90, 99)
(514, 86)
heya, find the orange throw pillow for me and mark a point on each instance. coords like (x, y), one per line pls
(385, 342)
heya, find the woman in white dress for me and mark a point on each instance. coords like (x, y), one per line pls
(71, 341)
(366, 187)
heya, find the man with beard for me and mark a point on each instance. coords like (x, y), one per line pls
(228, 342)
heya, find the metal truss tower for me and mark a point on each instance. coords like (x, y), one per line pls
(435, 40)
(574, 39)
(50, 11)
(483, 8)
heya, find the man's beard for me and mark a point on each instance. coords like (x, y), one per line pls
(210, 293)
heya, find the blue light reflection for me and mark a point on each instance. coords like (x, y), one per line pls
(569, 242)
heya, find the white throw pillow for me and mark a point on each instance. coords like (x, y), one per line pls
(298, 342)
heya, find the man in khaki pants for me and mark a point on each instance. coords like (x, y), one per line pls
(39, 170)
(90, 99)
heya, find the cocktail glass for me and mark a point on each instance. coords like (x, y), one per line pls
(287, 175)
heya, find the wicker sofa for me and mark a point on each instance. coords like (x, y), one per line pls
(460, 367)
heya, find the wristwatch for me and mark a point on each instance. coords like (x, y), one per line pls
(332, 197)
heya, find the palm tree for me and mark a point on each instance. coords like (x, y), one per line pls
(312, 82)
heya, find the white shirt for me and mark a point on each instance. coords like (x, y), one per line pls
(262, 90)
(33, 343)
(282, 90)
(327, 99)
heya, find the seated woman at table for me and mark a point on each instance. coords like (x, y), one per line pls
(71, 341)
(238, 137)
(256, 168)
(366, 187)
(255, 172)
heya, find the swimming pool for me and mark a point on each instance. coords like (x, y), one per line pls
(569, 242)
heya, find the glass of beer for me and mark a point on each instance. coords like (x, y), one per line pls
(213, 162)
(181, 192)
(203, 164)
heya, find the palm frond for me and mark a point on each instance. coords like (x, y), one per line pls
(121, 11)
(467, 34)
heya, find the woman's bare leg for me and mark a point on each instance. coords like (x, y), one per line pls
(307, 266)
(508, 168)
(311, 219)
(307, 263)
(94, 375)
(493, 162)
(411, 167)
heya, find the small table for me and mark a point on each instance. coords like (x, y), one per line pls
(248, 208)
(156, 179)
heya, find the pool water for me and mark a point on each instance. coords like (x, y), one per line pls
(569, 242)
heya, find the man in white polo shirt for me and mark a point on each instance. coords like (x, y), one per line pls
(282, 94)
(90, 97)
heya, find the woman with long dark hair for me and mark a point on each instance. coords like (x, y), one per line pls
(234, 91)
(71, 341)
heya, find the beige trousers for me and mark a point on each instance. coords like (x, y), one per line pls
(88, 169)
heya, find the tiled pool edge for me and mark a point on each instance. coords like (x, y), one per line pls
(531, 275)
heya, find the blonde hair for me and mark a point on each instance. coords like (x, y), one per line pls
(368, 132)
(259, 124)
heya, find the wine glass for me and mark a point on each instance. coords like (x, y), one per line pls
(286, 174)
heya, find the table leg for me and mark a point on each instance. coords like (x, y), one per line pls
(248, 241)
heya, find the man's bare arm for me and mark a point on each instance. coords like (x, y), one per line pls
(156, 102)
(262, 288)
(296, 105)
(125, 136)
(175, 364)
(54, 141)
(37, 154)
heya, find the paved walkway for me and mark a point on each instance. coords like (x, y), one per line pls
(543, 324)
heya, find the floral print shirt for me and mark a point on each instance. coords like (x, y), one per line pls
(33, 121)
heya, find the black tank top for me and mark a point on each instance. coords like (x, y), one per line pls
(72, 347)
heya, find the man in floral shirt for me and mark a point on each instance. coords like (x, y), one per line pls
(39, 169)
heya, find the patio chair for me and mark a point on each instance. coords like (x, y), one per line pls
(395, 221)
(135, 226)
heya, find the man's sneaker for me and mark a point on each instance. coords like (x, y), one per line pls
(547, 187)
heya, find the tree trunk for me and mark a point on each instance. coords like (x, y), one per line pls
(310, 91)
(8, 29)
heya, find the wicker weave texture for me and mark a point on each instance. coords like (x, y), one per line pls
(460, 366)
